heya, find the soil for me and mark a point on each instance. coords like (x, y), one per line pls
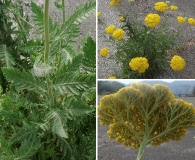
(107, 67)
(181, 150)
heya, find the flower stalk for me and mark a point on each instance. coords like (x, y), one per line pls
(47, 50)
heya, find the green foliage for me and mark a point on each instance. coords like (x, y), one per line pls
(32, 126)
(142, 41)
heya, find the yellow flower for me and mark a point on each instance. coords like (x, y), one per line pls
(104, 52)
(139, 64)
(191, 21)
(112, 77)
(161, 6)
(152, 20)
(118, 34)
(110, 29)
(99, 14)
(114, 3)
(177, 63)
(173, 8)
(121, 18)
(181, 19)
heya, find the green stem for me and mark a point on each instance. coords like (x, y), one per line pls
(63, 10)
(47, 50)
(141, 150)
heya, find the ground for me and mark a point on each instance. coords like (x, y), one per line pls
(108, 67)
(181, 150)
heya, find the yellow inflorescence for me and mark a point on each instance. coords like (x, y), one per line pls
(110, 29)
(177, 63)
(139, 64)
(112, 77)
(152, 20)
(114, 3)
(104, 52)
(128, 111)
(161, 6)
(181, 19)
(174, 8)
(118, 34)
(121, 18)
(99, 14)
(191, 21)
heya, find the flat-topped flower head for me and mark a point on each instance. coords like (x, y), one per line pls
(114, 3)
(191, 21)
(152, 20)
(177, 63)
(110, 29)
(161, 6)
(181, 19)
(118, 34)
(139, 64)
(174, 8)
(104, 52)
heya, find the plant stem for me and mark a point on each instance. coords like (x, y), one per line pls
(63, 10)
(141, 150)
(47, 50)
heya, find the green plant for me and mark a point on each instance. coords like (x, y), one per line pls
(141, 114)
(48, 111)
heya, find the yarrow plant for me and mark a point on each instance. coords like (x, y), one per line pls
(148, 37)
(141, 115)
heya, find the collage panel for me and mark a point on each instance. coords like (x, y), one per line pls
(146, 39)
(146, 119)
(47, 80)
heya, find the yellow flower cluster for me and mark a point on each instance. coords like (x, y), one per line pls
(128, 111)
(112, 77)
(191, 21)
(121, 18)
(174, 8)
(118, 34)
(139, 64)
(104, 52)
(110, 29)
(152, 20)
(181, 19)
(161, 6)
(114, 3)
(177, 63)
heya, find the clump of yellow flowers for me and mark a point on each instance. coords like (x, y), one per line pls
(140, 114)
(139, 64)
(152, 20)
(161, 6)
(177, 63)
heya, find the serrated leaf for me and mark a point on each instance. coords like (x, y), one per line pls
(6, 56)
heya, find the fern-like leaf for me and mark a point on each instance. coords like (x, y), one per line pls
(57, 124)
(28, 148)
(70, 28)
(6, 56)
(24, 80)
(89, 58)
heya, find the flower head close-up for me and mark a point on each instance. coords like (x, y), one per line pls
(139, 64)
(177, 63)
(110, 29)
(181, 19)
(104, 52)
(161, 6)
(174, 8)
(114, 3)
(191, 21)
(118, 34)
(152, 20)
